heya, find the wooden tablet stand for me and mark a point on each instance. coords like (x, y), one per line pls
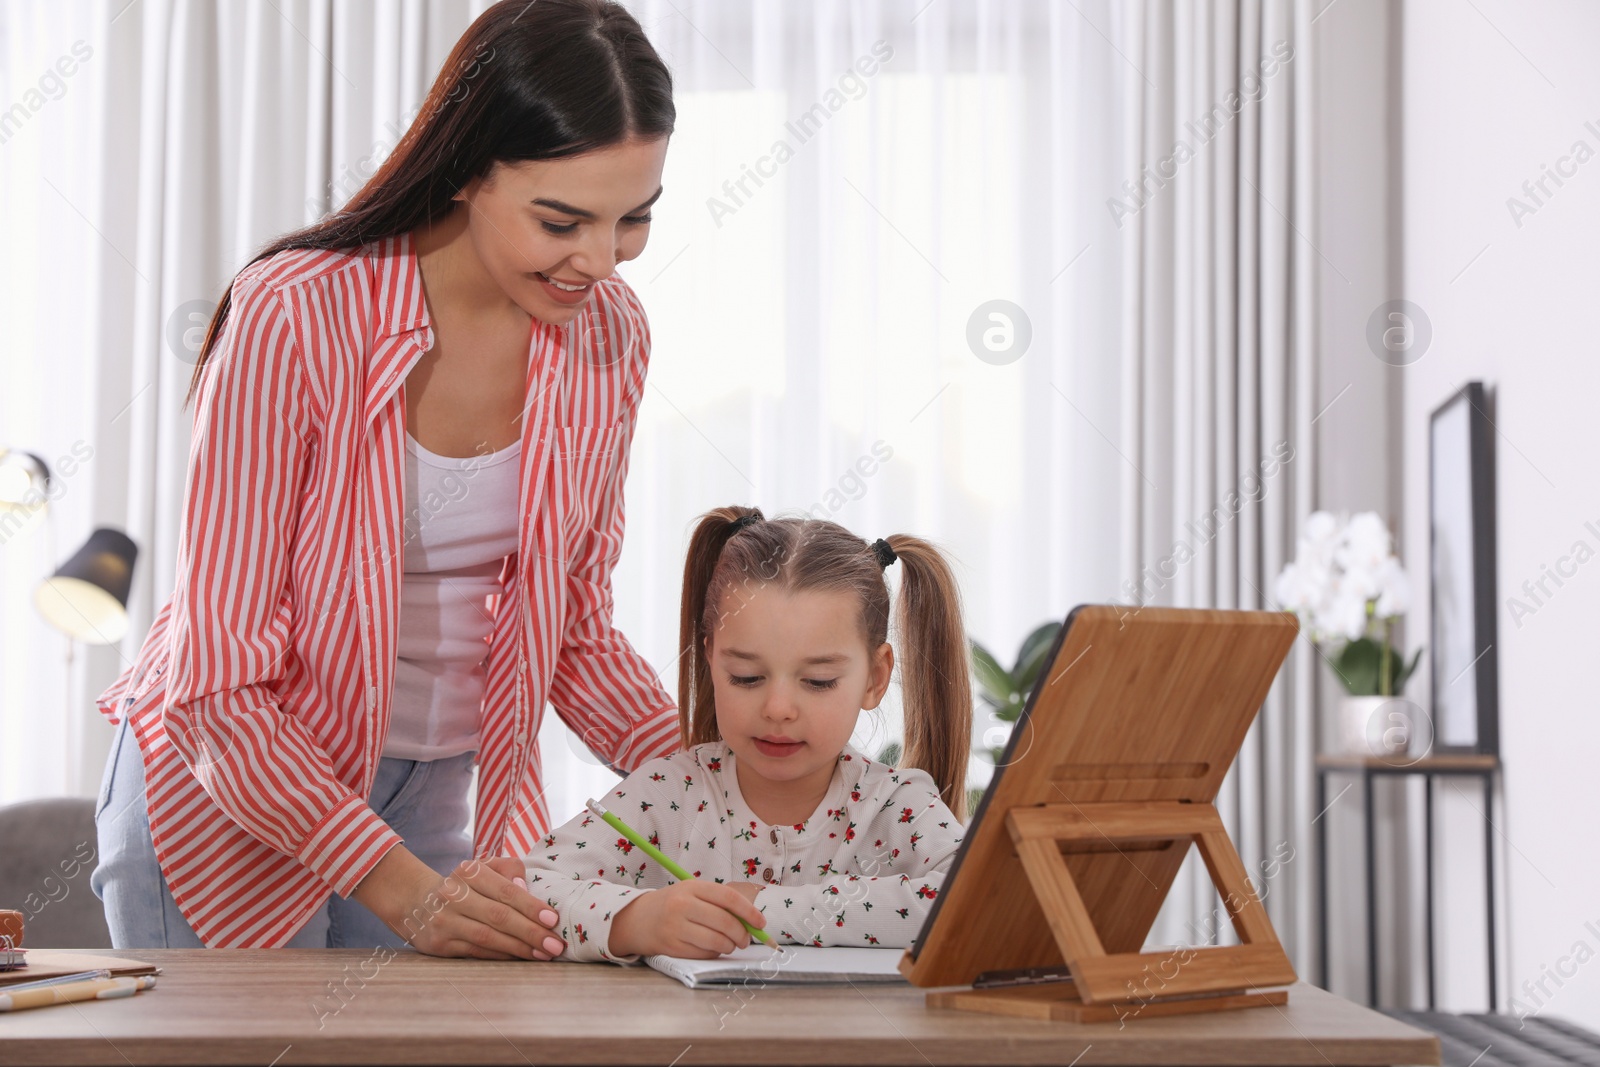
(1105, 986)
(1106, 782)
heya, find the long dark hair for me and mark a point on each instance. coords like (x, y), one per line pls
(727, 562)
(530, 79)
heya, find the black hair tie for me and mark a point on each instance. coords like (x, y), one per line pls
(884, 552)
(741, 522)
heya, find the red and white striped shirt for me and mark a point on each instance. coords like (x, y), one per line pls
(261, 695)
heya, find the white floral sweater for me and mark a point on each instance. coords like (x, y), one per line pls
(863, 870)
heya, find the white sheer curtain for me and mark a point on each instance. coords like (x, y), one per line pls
(133, 189)
(849, 186)
(901, 165)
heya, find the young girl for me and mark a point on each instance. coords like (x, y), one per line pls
(783, 823)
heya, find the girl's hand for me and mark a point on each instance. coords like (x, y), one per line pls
(477, 911)
(697, 920)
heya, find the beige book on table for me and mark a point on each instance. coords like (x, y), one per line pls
(52, 963)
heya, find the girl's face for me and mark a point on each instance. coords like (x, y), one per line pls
(547, 230)
(791, 675)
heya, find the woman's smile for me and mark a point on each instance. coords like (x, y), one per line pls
(563, 292)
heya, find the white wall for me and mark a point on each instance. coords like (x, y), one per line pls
(1493, 92)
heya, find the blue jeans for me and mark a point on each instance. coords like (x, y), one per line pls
(424, 802)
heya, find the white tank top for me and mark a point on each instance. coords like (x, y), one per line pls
(460, 525)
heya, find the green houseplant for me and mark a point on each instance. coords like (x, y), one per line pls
(1006, 691)
(1003, 692)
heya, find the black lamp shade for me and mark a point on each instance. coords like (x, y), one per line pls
(87, 597)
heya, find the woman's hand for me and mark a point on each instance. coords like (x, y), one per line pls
(478, 910)
(696, 919)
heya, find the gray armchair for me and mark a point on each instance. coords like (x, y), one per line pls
(48, 849)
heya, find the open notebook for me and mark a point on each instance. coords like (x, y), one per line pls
(798, 965)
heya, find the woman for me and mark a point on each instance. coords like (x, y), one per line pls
(403, 506)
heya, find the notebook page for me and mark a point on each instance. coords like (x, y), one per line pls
(798, 965)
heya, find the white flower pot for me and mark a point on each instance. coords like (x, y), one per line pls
(1356, 715)
(1386, 727)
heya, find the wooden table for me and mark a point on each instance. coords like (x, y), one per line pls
(276, 1007)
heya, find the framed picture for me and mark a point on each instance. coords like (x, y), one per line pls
(1466, 686)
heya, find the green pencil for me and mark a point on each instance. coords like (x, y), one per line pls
(673, 868)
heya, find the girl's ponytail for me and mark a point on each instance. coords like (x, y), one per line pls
(934, 673)
(697, 709)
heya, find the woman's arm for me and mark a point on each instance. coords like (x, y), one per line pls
(254, 437)
(603, 688)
